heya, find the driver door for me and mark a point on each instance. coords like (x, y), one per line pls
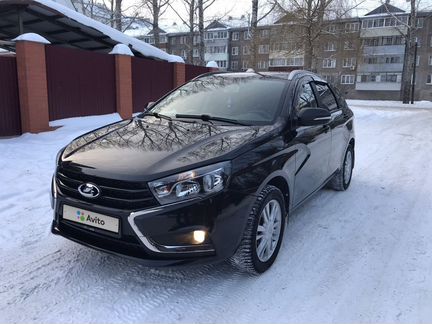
(314, 145)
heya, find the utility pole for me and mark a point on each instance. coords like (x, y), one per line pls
(414, 73)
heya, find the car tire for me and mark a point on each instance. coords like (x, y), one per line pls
(251, 256)
(342, 179)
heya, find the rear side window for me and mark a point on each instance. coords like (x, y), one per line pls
(340, 98)
(306, 97)
(326, 97)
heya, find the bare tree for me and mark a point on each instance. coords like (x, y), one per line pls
(190, 22)
(408, 30)
(202, 6)
(156, 9)
(311, 20)
(255, 19)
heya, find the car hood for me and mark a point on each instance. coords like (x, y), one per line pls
(142, 148)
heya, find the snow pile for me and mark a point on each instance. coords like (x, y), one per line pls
(136, 44)
(32, 37)
(360, 256)
(389, 104)
(121, 49)
(212, 64)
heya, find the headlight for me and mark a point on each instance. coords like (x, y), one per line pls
(192, 184)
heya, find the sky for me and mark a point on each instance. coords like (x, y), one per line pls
(237, 8)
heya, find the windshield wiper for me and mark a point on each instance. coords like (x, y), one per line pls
(210, 118)
(157, 115)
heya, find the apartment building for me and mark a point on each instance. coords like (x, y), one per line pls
(363, 56)
(241, 48)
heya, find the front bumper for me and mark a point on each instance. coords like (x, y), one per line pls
(161, 235)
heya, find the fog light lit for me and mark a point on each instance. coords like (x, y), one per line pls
(199, 236)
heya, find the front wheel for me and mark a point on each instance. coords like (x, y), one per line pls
(264, 232)
(342, 179)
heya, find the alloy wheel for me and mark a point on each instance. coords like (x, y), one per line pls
(268, 230)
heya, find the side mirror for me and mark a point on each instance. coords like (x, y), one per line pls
(314, 116)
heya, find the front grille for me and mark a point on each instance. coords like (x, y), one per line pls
(114, 193)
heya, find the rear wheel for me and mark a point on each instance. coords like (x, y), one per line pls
(342, 179)
(264, 232)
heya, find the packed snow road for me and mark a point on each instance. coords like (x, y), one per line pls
(364, 255)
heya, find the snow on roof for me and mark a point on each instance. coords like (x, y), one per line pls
(139, 46)
(32, 37)
(121, 49)
(175, 28)
(212, 64)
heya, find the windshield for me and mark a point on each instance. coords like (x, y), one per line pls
(250, 99)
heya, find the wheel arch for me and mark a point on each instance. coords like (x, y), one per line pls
(352, 143)
(279, 180)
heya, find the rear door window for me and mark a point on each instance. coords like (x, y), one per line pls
(326, 97)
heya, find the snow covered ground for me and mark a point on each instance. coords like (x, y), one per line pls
(364, 255)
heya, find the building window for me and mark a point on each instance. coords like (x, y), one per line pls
(347, 79)
(220, 35)
(208, 36)
(329, 78)
(384, 22)
(245, 65)
(246, 50)
(387, 40)
(195, 52)
(173, 41)
(430, 60)
(349, 62)
(216, 49)
(392, 59)
(265, 33)
(262, 65)
(418, 60)
(388, 77)
(429, 79)
(331, 28)
(419, 22)
(263, 49)
(222, 64)
(348, 45)
(196, 39)
(235, 50)
(351, 27)
(246, 35)
(330, 47)
(329, 63)
(183, 40)
(234, 65)
(163, 39)
(235, 36)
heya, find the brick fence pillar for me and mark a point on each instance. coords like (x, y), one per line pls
(32, 85)
(179, 74)
(124, 100)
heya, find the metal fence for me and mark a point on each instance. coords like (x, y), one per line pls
(80, 83)
(10, 122)
(150, 81)
(193, 71)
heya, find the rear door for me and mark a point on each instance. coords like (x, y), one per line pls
(328, 99)
(314, 143)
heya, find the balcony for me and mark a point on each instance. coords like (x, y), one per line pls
(383, 67)
(384, 50)
(378, 86)
(383, 31)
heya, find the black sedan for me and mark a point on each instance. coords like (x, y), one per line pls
(209, 172)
